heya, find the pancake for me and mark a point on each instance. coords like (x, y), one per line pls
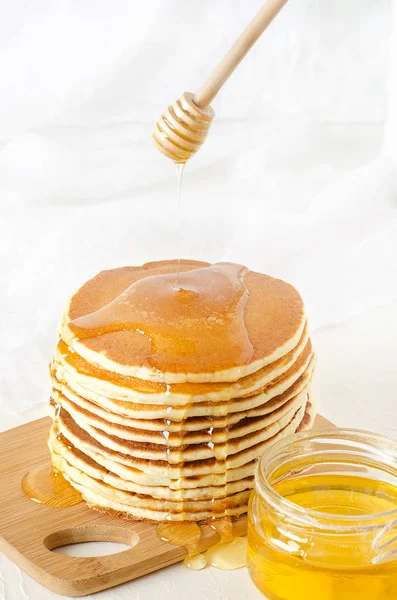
(103, 490)
(150, 480)
(195, 332)
(80, 438)
(61, 394)
(303, 363)
(309, 416)
(167, 388)
(89, 466)
(175, 439)
(70, 366)
(183, 453)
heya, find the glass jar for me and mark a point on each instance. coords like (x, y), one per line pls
(322, 520)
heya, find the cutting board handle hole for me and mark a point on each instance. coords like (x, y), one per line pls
(74, 536)
(88, 549)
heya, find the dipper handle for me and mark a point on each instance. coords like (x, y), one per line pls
(237, 52)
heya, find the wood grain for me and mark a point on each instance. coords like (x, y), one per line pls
(29, 531)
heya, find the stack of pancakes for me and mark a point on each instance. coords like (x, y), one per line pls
(165, 391)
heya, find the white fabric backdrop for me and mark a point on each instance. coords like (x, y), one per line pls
(298, 179)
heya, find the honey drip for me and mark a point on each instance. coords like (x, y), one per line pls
(179, 176)
(195, 562)
(228, 554)
(224, 529)
(198, 322)
(44, 486)
(187, 535)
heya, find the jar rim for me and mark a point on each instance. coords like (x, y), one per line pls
(307, 516)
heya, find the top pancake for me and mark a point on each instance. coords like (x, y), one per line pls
(216, 323)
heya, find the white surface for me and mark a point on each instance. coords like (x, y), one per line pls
(291, 181)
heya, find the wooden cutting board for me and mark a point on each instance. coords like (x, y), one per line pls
(29, 531)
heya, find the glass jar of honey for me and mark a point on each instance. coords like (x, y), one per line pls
(322, 520)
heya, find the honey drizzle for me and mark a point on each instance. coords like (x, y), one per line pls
(179, 177)
(224, 529)
(45, 486)
(187, 535)
(196, 562)
(228, 554)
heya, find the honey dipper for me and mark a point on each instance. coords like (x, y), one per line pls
(183, 126)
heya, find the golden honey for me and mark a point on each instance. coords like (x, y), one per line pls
(323, 518)
(176, 320)
(45, 486)
(228, 554)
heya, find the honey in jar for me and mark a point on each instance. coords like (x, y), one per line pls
(323, 518)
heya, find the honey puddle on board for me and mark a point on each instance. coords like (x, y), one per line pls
(44, 486)
(187, 535)
(228, 554)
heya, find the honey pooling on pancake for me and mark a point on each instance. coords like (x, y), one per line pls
(201, 319)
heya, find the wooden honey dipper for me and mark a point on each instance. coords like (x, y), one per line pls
(184, 125)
